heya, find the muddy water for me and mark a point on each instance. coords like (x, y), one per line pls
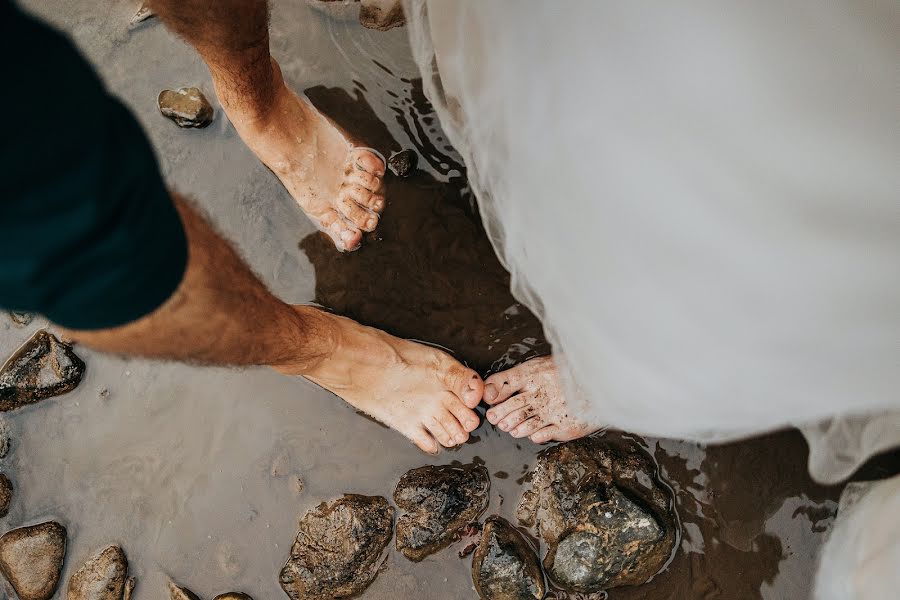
(195, 471)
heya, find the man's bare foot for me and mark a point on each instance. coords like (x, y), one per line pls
(339, 187)
(528, 401)
(417, 390)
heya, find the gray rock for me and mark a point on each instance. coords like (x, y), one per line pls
(143, 13)
(31, 559)
(43, 367)
(338, 548)
(103, 577)
(233, 596)
(5, 438)
(605, 516)
(439, 502)
(505, 566)
(188, 107)
(382, 14)
(6, 493)
(21, 319)
(176, 592)
(403, 163)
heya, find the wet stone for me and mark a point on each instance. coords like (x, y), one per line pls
(381, 14)
(5, 438)
(31, 559)
(606, 518)
(233, 596)
(103, 577)
(403, 163)
(6, 494)
(188, 107)
(505, 567)
(43, 367)
(21, 319)
(338, 548)
(176, 592)
(440, 501)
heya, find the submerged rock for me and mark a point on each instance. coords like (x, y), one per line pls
(6, 493)
(21, 318)
(233, 596)
(338, 547)
(103, 577)
(142, 14)
(43, 367)
(382, 14)
(188, 107)
(439, 502)
(31, 559)
(403, 163)
(505, 566)
(606, 518)
(176, 592)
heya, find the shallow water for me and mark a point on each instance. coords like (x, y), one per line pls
(194, 470)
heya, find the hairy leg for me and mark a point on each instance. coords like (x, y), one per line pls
(223, 314)
(340, 188)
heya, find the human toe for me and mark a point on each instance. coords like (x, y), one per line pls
(528, 427)
(424, 441)
(464, 382)
(364, 179)
(499, 411)
(465, 415)
(545, 434)
(500, 386)
(353, 211)
(344, 235)
(512, 420)
(364, 159)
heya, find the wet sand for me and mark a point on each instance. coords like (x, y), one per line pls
(194, 470)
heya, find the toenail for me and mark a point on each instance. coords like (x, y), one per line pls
(460, 439)
(490, 391)
(371, 223)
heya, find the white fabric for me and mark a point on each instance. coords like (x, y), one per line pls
(859, 561)
(701, 200)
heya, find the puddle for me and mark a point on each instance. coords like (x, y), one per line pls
(196, 472)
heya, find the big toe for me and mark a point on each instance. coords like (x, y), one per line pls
(501, 386)
(466, 384)
(368, 160)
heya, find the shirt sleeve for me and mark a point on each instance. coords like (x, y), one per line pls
(89, 235)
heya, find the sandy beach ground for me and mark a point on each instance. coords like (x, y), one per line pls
(195, 470)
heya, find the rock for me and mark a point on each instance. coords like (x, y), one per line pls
(43, 367)
(188, 107)
(382, 14)
(5, 438)
(338, 548)
(439, 502)
(606, 518)
(31, 559)
(233, 596)
(403, 163)
(103, 577)
(176, 592)
(505, 566)
(142, 14)
(21, 319)
(6, 493)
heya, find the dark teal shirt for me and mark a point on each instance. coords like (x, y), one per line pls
(89, 236)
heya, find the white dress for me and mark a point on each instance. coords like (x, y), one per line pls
(701, 201)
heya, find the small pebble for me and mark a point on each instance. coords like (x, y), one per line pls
(188, 107)
(403, 163)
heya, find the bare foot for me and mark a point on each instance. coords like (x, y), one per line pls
(423, 393)
(528, 401)
(339, 187)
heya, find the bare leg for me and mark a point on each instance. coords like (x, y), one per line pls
(528, 401)
(339, 188)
